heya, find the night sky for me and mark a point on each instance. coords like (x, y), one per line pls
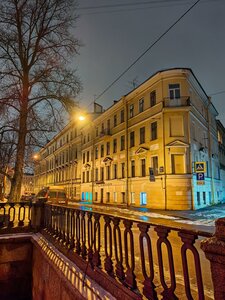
(113, 37)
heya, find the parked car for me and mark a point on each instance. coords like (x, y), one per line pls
(52, 194)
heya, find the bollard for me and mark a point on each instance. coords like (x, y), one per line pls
(214, 249)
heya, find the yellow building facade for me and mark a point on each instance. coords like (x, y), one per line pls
(143, 150)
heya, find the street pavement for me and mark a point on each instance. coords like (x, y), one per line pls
(200, 220)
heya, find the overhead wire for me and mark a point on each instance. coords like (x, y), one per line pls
(146, 50)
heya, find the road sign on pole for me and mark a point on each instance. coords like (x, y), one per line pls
(200, 167)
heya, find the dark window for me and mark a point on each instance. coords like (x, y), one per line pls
(204, 197)
(83, 176)
(83, 158)
(141, 105)
(152, 98)
(88, 137)
(108, 125)
(122, 142)
(122, 116)
(142, 135)
(115, 171)
(114, 145)
(198, 198)
(88, 156)
(107, 148)
(96, 174)
(102, 173)
(87, 176)
(143, 168)
(115, 120)
(102, 150)
(108, 172)
(174, 91)
(96, 132)
(132, 140)
(153, 131)
(131, 110)
(123, 170)
(155, 164)
(96, 152)
(132, 168)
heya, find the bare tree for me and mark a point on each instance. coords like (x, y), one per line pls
(36, 80)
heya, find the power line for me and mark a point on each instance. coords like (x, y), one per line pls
(143, 53)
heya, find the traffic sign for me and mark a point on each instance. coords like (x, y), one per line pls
(200, 167)
(200, 176)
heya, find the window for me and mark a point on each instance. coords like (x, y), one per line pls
(107, 196)
(123, 170)
(204, 197)
(210, 197)
(108, 125)
(96, 152)
(141, 105)
(83, 158)
(132, 168)
(122, 197)
(96, 174)
(177, 163)
(88, 156)
(102, 150)
(132, 141)
(107, 148)
(108, 172)
(152, 98)
(154, 163)
(96, 132)
(115, 120)
(132, 198)
(115, 196)
(83, 177)
(88, 176)
(122, 143)
(102, 173)
(82, 196)
(114, 145)
(198, 198)
(122, 116)
(174, 91)
(142, 135)
(153, 131)
(143, 168)
(143, 198)
(96, 196)
(131, 110)
(102, 128)
(115, 171)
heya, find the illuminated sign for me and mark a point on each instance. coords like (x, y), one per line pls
(200, 167)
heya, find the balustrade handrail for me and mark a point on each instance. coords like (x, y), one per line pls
(81, 231)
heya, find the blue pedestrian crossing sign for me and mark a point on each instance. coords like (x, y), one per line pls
(200, 167)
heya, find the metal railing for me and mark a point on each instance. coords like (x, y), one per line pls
(152, 260)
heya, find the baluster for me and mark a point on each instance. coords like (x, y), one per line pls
(108, 246)
(3, 221)
(63, 220)
(11, 213)
(78, 247)
(90, 239)
(72, 228)
(149, 287)
(29, 214)
(67, 226)
(188, 240)
(118, 249)
(130, 278)
(97, 245)
(83, 235)
(21, 212)
(168, 292)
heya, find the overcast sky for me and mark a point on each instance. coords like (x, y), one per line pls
(113, 37)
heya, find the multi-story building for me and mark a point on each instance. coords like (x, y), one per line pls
(156, 147)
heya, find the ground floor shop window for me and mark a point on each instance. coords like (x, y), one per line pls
(82, 196)
(143, 198)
